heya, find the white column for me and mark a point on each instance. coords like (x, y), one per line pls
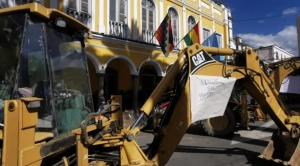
(128, 33)
(161, 9)
(213, 18)
(184, 23)
(184, 19)
(135, 34)
(226, 35)
(93, 13)
(200, 22)
(107, 16)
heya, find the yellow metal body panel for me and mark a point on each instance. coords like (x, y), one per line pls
(31, 118)
(19, 146)
(10, 141)
(46, 13)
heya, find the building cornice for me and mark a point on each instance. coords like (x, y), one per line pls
(129, 42)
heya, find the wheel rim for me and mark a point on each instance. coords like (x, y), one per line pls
(219, 123)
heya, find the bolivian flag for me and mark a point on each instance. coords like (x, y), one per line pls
(193, 36)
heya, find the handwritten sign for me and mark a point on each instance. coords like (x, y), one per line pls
(209, 96)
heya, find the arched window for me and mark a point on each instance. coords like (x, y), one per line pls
(191, 22)
(175, 25)
(148, 15)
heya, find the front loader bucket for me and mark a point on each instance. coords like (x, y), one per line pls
(283, 149)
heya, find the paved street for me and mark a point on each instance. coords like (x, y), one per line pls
(241, 149)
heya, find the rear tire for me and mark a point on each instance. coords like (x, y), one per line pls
(220, 126)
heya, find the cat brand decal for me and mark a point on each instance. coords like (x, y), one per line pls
(200, 59)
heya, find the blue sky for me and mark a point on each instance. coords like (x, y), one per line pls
(266, 22)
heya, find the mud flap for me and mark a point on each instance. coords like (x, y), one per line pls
(282, 148)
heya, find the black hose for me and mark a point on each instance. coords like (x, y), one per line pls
(92, 116)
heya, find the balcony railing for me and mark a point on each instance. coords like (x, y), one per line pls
(117, 28)
(147, 36)
(175, 42)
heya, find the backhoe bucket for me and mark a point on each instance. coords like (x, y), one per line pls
(282, 148)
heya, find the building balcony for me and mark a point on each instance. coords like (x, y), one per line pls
(175, 42)
(117, 29)
(148, 36)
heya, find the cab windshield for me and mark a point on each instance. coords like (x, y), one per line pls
(11, 30)
(70, 79)
(39, 59)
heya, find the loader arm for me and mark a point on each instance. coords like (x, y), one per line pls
(194, 61)
(247, 70)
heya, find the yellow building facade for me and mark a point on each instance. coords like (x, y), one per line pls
(124, 57)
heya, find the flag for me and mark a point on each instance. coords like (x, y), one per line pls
(164, 35)
(212, 41)
(193, 36)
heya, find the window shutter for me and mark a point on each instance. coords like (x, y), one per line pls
(112, 10)
(205, 34)
(151, 20)
(72, 4)
(85, 6)
(174, 22)
(219, 40)
(122, 11)
(144, 18)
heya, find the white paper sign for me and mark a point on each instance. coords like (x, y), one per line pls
(209, 96)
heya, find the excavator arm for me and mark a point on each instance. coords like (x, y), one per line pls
(246, 70)
(282, 69)
(194, 61)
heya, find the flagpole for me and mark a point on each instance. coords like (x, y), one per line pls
(179, 42)
(156, 31)
(188, 33)
(153, 36)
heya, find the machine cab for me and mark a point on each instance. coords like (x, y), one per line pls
(44, 57)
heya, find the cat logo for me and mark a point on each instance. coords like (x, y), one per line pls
(199, 59)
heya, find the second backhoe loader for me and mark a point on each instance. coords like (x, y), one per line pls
(239, 111)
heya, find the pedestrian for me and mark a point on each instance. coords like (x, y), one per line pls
(102, 103)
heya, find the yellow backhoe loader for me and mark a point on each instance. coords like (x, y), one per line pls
(44, 85)
(47, 109)
(197, 80)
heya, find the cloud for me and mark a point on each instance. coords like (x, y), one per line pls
(261, 21)
(292, 10)
(286, 39)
